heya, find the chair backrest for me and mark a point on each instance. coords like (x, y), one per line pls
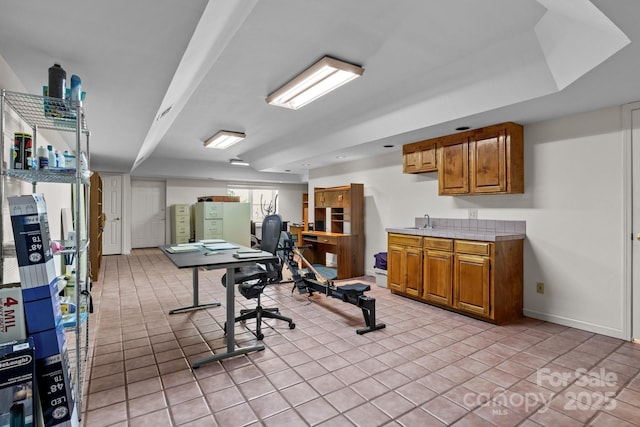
(271, 227)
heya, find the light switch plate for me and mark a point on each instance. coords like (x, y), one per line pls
(473, 213)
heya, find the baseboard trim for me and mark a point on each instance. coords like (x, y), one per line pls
(573, 323)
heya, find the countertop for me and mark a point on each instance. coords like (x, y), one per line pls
(456, 233)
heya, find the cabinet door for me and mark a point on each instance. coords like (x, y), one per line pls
(413, 271)
(319, 200)
(411, 159)
(395, 268)
(472, 284)
(489, 162)
(438, 277)
(454, 168)
(420, 157)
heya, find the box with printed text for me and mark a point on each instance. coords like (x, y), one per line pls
(33, 242)
(17, 386)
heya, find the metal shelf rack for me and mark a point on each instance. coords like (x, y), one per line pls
(42, 112)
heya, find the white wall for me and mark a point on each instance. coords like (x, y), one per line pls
(573, 205)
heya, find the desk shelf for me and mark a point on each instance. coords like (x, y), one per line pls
(339, 220)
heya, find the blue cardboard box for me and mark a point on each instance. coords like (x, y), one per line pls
(17, 387)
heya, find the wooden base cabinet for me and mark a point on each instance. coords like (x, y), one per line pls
(479, 279)
(438, 277)
(472, 284)
(405, 264)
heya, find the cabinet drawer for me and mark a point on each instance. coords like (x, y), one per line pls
(181, 220)
(182, 230)
(439, 244)
(213, 226)
(181, 210)
(405, 239)
(469, 247)
(211, 210)
(328, 240)
(182, 239)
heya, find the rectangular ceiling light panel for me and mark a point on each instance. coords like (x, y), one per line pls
(318, 80)
(224, 139)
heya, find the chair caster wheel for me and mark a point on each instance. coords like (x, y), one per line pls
(292, 325)
(260, 337)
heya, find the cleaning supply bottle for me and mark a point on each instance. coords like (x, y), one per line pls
(52, 156)
(57, 81)
(43, 158)
(69, 160)
(59, 159)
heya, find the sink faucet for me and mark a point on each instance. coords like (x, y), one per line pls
(428, 223)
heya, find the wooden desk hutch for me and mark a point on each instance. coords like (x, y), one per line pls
(338, 229)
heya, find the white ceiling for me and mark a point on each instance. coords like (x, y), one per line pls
(430, 66)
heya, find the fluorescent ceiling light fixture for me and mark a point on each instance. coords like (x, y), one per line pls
(318, 80)
(224, 139)
(238, 162)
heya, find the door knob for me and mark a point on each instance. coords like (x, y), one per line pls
(116, 219)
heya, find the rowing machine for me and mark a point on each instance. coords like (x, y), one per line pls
(312, 281)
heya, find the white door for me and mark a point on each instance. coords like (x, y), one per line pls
(634, 132)
(148, 209)
(112, 206)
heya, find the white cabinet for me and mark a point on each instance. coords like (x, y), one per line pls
(222, 220)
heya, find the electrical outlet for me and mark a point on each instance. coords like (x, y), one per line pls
(473, 213)
(540, 287)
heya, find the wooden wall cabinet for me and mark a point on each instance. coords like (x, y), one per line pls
(420, 157)
(480, 279)
(338, 229)
(488, 160)
(96, 225)
(404, 263)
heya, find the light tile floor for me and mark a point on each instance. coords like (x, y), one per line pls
(429, 367)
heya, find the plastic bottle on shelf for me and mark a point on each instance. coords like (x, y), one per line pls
(57, 81)
(30, 162)
(69, 160)
(76, 90)
(43, 158)
(83, 161)
(13, 156)
(59, 159)
(52, 156)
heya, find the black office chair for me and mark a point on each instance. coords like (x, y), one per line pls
(253, 279)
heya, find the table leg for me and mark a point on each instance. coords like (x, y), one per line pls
(231, 349)
(196, 305)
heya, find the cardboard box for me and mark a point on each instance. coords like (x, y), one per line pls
(42, 308)
(33, 242)
(12, 320)
(17, 365)
(54, 390)
(219, 199)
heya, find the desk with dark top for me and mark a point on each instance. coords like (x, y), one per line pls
(214, 260)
